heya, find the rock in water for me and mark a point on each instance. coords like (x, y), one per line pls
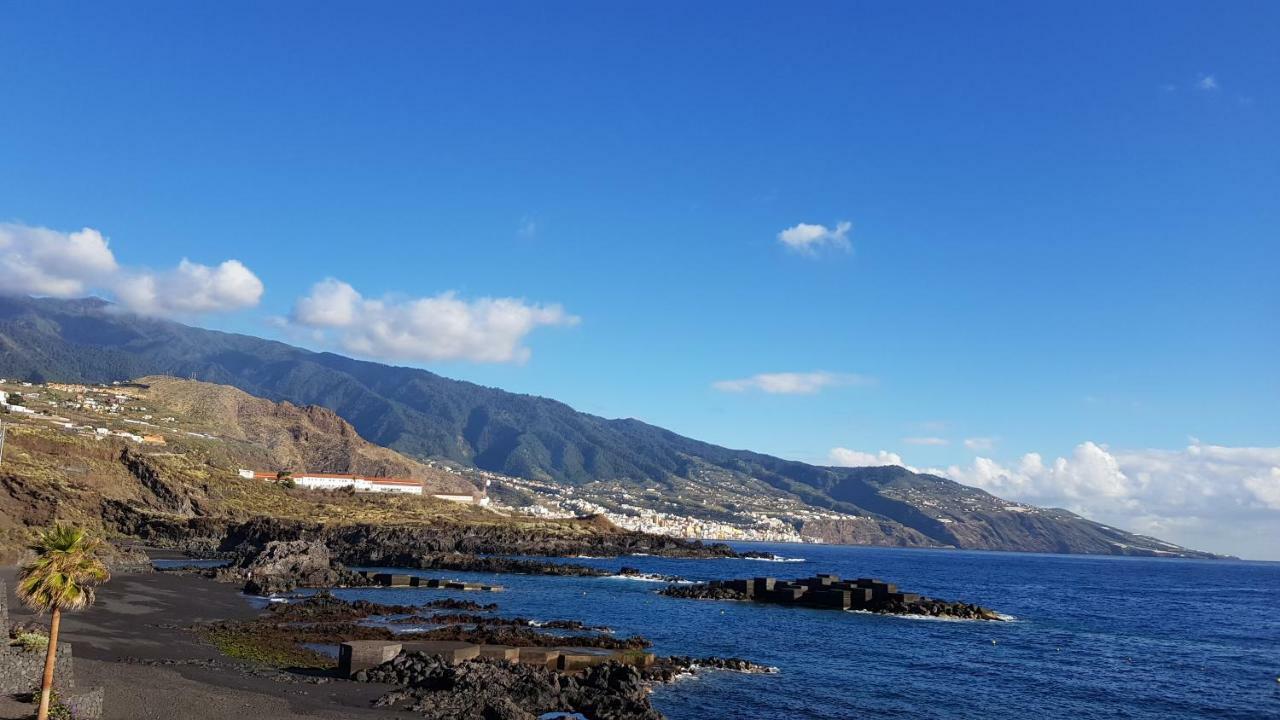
(287, 564)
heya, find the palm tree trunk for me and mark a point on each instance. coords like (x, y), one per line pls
(50, 657)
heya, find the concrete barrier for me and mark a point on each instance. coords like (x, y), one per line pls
(453, 652)
(500, 652)
(580, 658)
(357, 655)
(548, 657)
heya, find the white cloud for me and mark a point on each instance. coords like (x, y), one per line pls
(190, 289)
(331, 304)
(807, 239)
(1265, 488)
(41, 261)
(1204, 496)
(929, 441)
(528, 227)
(790, 383)
(844, 457)
(1206, 82)
(443, 327)
(980, 443)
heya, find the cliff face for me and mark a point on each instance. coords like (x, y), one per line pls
(281, 435)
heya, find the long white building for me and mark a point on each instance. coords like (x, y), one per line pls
(360, 483)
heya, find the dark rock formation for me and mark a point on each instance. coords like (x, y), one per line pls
(524, 637)
(462, 605)
(325, 608)
(496, 690)
(667, 669)
(283, 566)
(445, 546)
(167, 497)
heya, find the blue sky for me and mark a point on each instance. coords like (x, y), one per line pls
(1063, 217)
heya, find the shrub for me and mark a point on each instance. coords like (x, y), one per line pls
(32, 641)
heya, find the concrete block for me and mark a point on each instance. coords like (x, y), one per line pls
(500, 652)
(452, 651)
(580, 658)
(637, 658)
(763, 585)
(785, 595)
(357, 655)
(859, 597)
(461, 586)
(839, 599)
(549, 657)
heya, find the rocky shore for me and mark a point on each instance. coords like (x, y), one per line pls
(830, 592)
(407, 546)
(615, 686)
(487, 689)
(281, 566)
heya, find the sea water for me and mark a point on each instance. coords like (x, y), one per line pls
(1090, 637)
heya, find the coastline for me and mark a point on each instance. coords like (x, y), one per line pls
(132, 642)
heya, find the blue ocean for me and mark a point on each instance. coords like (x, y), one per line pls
(1090, 637)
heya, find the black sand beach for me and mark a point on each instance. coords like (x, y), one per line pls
(133, 643)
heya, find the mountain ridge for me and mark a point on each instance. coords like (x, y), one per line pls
(549, 453)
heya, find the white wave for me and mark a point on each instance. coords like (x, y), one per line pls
(931, 618)
(649, 578)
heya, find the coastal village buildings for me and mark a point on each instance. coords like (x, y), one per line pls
(360, 483)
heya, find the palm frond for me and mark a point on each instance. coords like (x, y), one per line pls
(64, 572)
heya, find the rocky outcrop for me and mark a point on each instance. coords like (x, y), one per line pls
(168, 497)
(494, 690)
(285, 565)
(442, 546)
(864, 531)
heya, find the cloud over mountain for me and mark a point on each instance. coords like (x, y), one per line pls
(844, 457)
(52, 263)
(442, 327)
(1206, 494)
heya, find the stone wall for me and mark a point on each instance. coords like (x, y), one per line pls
(21, 670)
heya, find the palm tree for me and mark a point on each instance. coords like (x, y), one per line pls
(61, 577)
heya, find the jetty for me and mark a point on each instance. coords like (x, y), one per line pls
(393, 580)
(828, 591)
(356, 656)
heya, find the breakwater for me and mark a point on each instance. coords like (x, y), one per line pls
(828, 591)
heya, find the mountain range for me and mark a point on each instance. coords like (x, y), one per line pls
(540, 453)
